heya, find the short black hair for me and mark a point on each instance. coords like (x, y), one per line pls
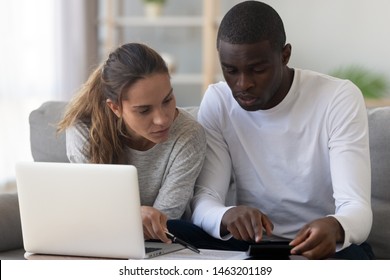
(252, 22)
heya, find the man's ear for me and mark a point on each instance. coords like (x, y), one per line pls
(114, 107)
(286, 54)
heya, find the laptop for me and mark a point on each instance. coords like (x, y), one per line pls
(90, 210)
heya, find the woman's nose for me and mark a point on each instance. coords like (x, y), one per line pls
(160, 118)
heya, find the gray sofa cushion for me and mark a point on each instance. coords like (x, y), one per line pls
(379, 129)
(10, 228)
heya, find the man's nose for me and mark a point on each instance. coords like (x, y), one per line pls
(244, 81)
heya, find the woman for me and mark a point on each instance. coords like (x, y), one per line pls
(126, 114)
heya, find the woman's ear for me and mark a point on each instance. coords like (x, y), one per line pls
(114, 107)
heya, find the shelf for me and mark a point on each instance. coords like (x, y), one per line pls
(114, 24)
(379, 102)
(159, 21)
(187, 78)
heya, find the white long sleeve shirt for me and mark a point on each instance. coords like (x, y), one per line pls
(304, 159)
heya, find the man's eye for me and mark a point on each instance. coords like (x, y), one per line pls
(229, 70)
(258, 70)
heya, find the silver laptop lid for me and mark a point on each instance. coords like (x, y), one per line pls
(80, 209)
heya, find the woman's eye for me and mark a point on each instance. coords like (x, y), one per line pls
(167, 100)
(143, 111)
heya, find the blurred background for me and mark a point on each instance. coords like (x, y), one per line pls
(49, 47)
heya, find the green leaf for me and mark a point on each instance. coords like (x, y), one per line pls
(372, 84)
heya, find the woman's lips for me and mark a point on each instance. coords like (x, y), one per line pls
(161, 132)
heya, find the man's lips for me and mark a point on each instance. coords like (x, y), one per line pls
(245, 99)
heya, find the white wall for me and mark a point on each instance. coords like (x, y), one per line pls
(324, 35)
(328, 34)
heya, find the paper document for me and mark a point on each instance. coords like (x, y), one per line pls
(206, 254)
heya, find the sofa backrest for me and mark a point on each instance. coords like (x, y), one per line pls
(47, 145)
(379, 129)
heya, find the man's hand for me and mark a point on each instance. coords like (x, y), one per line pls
(245, 223)
(317, 240)
(154, 224)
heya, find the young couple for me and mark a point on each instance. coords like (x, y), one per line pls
(295, 142)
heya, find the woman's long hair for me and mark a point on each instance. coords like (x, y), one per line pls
(107, 133)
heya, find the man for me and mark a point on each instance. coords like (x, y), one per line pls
(295, 141)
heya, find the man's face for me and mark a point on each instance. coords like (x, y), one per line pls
(254, 73)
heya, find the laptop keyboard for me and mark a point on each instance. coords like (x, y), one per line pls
(151, 249)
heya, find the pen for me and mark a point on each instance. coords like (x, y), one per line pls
(182, 242)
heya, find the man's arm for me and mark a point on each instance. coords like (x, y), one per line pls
(351, 179)
(350, 166)
(211, 188)
(208, 204)
(212, 185)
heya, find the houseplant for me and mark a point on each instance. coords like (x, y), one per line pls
(372, 84)
(153, 8)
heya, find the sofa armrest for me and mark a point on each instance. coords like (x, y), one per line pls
(11, 230)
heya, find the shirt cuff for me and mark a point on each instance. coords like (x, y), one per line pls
(212, 224)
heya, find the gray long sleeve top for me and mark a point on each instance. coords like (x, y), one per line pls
(166, 172)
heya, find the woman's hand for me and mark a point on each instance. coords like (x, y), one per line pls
(154, 224)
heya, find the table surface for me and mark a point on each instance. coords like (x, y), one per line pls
(184, 254)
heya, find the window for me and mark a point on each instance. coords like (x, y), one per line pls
(42, 57)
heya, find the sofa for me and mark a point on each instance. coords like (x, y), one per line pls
(47, 146)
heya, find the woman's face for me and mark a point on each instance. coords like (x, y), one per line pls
(148, 110)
